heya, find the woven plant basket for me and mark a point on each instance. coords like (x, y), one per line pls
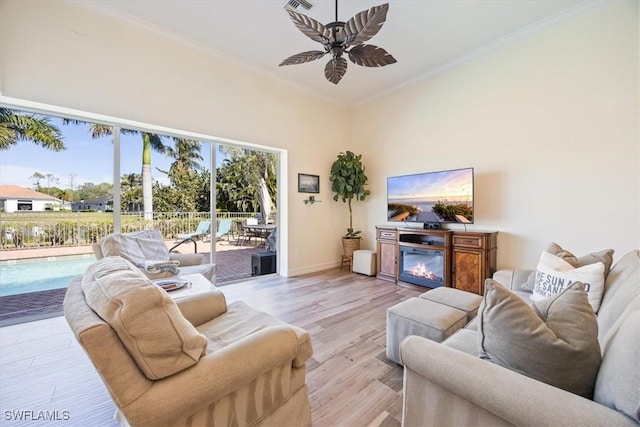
(350, 245)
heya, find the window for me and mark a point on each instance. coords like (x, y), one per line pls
(25, 205)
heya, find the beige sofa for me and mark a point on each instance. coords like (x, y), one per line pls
(446, 384)
(195, 361)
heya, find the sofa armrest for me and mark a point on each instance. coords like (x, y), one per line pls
(203, 307)
(512, 278)
(189, 259)
(216, 375)
(487, 388)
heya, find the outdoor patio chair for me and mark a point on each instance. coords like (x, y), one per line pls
(145, 246)
(246, 233)
(224, 227)
(201, 232)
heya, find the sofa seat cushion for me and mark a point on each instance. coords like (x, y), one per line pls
(137, 248)
(554, 340)
(465, 340)
(148, 322)
(240, 321)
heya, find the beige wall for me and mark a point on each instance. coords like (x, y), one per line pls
(550, 124)
(56, 54)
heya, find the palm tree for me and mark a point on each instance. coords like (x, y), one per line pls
(37, 176)
(186, 155)
(249, 178)
(149, 141)
(131, 184)
(16, 126)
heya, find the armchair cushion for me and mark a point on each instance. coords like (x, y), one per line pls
(241, 321)
(148, 322)
(554, 341)
(136, 247)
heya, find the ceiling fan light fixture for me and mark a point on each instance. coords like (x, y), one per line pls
(338, 38)
(298, 5)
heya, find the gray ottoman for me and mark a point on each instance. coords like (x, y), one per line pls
(462, 300)
(418, 316)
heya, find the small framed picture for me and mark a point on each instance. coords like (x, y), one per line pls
(308, 183)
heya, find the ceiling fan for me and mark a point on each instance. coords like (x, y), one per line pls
(339, 38)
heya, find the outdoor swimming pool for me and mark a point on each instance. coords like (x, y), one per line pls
(20, 277)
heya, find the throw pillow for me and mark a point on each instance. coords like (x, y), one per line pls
(148, 322)
(604, 256)
(554, 341)
(553, 274)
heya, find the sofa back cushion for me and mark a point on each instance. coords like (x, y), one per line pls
(148, 322)
(618, 382)
(138, 247)
(620, 288)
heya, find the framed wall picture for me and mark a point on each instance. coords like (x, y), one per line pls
(308, 183)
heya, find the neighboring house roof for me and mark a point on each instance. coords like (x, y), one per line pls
(17, 192)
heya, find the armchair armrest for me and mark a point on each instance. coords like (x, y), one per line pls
(189, 259)
(201, 308)
(214, 376)
(489, 388)
(512, 278)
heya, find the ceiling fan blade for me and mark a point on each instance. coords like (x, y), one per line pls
(310, 27)
(302, 57)
(369, 55)
(365, 24)
(335, 69)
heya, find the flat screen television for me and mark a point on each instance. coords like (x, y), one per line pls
(431, 197)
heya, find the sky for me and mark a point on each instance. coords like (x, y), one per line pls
(453, 184)
(84, 160)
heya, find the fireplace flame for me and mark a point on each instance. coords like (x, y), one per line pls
(421, 270)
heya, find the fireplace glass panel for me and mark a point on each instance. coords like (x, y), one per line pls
(422, 267)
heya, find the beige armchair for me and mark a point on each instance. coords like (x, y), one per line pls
(190, 362)
(148, 245)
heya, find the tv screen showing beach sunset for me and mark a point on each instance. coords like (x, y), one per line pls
(445, 196)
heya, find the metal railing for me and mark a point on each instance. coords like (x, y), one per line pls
(22, 230)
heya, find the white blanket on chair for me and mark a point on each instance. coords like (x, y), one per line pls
(136, 247)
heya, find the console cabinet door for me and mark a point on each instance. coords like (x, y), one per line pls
(387, 261)
(387, 252)
(468, 272)
(474, 259)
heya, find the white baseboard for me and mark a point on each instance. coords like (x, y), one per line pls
(310, 269)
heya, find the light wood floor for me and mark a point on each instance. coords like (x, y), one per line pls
(351, 383)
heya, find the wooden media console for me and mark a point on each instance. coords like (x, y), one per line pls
(432, 258)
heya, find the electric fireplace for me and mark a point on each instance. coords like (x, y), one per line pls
(423, 258)
(422, 267)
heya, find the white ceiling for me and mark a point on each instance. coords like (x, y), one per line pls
(423, 35)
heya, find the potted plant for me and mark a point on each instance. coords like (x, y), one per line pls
(348, 182)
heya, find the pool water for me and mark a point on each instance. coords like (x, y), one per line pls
(23, 276)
